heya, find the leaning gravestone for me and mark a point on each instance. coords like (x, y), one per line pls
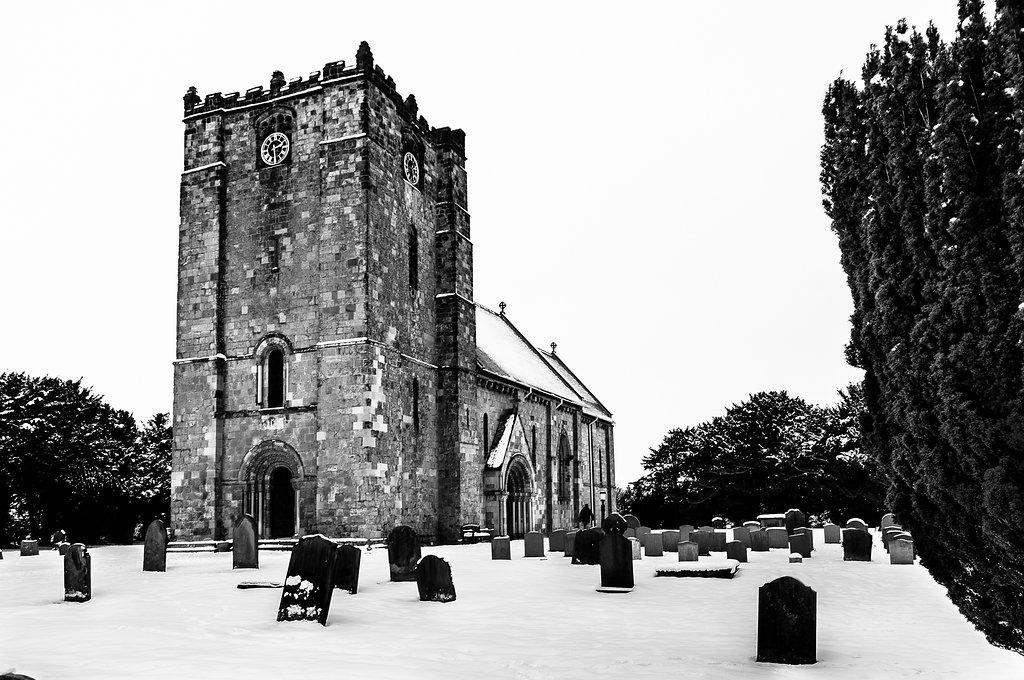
(703, 541)
(29, 547)
(63, 548)
(716, 541)
(59, 536)
(346, 567)
(777, 537)
(653, 546)
(794, 518)
(669, 540)
(856, 545)
(154, 553)
(759, 541)
(570, 543)
(616, 556)
(786, 622)
(688, 551)
(245, 552)
(434, 580)
(736, 550)
(741, 534)
(833, 534)
(310, 581)
(634, 545)
(533, 544)
(77, 574)
(586, 548)
(800, 544)
(501, 548)
(632, 522)
(403, 553)
(888, 519)
(556, 540)
(901, 551)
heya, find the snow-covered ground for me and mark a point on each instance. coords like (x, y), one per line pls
(524, 618)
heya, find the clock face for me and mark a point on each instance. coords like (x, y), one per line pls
(412, 168)
(274, 148)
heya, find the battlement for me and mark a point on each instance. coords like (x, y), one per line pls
(333, 71)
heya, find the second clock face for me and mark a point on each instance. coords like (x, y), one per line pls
(412, 168)
(274, 148)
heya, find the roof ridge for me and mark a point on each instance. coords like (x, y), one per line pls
(533, 349)
(568, 370)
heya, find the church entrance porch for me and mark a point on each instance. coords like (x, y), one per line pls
(517, 501)
(281, 506)
(272, 472)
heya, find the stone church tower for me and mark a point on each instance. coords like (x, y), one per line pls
(328, 374)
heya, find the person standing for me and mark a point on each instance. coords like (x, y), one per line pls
(586, 517)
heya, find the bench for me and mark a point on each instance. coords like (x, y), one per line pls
(471, 533)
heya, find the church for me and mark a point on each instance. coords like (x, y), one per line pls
(333, 371)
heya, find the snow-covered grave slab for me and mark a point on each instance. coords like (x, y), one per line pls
(714, 568)
(517, 618)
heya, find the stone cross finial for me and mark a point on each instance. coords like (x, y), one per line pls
(553, 346)
(501, 306)
(191, 99)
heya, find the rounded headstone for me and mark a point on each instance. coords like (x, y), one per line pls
(614, 524)
(632, 522)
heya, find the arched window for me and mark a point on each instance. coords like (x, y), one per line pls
(564, 468)
(533, 446)
(272, 360)
(274, 373)
(414, 258)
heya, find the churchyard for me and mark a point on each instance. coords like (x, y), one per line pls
(515, 616)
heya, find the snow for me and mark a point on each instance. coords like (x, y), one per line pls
(512, 619)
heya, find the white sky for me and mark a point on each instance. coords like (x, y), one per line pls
(643, 180)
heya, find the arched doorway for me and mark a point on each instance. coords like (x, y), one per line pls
(281, 500)
(517, 503)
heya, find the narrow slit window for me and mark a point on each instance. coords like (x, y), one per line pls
(414, 259)
(275, 379)
(486, 450)
(416, 403)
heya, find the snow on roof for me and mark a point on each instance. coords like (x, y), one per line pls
(497, 454)
(592, 406)
(503, 351)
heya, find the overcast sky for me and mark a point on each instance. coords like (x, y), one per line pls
(643, 180)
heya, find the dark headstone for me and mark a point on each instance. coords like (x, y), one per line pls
(346, 567)
(736, 550)
(641, 533)
(570, 543)
(688, 551)
(556, 540)
(856, 523)
(718, 523)
(752, 525)
(795, 558)
(15, 676)
(586, 548)
(808, 532)
(741, 534)
(403, 553)
(716, 541)
(631, 521)
(616, 558)
(629, 533)
(614, 524)
(309, 584)
(63, 548)
(901, 551)
(888, 519)
(29, 547)
(800, 544)
(684, 531)
(77, 574)
(707, 527)
(58, 537)
(777, 537)
(533, 545)
(501, 548)
(759, 541)
(245, 552)
(856, 545)
(154, 553)
(888, 533)
(786, 622)
(703, 541)
(833, 534)
(669, 540)
(653, 545)
(794, 519)
(434, 580)
(772, 520)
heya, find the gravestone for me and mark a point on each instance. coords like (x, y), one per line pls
(856, 523)
(718, 522)
(759, 541)
(807, 532)
(741, 534)
(707, 527)
(800, 544)
(501, 548)
(556, 540)
(59, 536)
(703, 541)
(614, 524)
(586, 548)
(653, 546)
(856, 545)
(777, 537)
(888, 519)
(684, 531)
(629, 533)
(833, 534)
(901, 551)
(434, 579)
(616, 558)
(752, 525)
(309, 584)
(245, 549)
(63, 548)
(77, 574)
(29, 547)
(888, 533)
(794, 518)
(772, 520)
(403, 553)
(154, 553)
(786, 622)
(632, 522)
(736, 550)
(642, 533)
(346, 567)
(634, 545)
(533, 544)
(688, 551)
(716, 541)
(570, 543)
(669, 540)
(795, 558)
